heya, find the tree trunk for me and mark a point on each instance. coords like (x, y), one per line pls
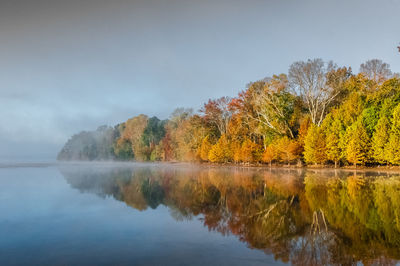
(335, 164)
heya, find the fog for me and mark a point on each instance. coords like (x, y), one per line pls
(68, 66)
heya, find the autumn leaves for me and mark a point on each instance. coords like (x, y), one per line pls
(317, 114)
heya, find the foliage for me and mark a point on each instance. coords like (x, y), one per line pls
(205, 148)
(270, 154)
(315, 146)
(358, 144)
(334, 132)
(317, 113)
(393, 146)
(289, 150)
(250, 152)
(220, 152)
(380, 139)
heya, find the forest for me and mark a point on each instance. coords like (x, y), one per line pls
(316, 114)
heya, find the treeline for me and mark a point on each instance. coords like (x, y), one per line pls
(318, 113)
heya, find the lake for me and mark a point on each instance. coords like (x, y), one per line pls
(165, 214)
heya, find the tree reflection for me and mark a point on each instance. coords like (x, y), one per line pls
(305, 218)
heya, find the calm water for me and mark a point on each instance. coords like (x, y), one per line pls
(120, 214)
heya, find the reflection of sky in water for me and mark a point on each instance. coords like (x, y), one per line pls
(45, 221)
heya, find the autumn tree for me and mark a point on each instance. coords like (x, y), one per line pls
(217, 113)
(131, 134)
(236, 148)
(270, 154)
(184, 135)
(267, 110)
(315, 146)
(305, 124)
(220, 152)
(157, 153)
(274, 105)
(289, 150)
(358, 144)
(380, 139)
(205, 148)
(393, 146)
(250, 152)
(334, 132)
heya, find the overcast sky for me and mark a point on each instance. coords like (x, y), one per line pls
(72, 65)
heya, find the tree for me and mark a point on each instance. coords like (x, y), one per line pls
(154, 131)
(131, 132)
(315, 146)
(380, 139)
(393, 146)
(358, 144)
(90, 145)
(333, 135)
(218, 113)
(236, 149)
(305, 124)
(220, 152)
(376, 70)
(289, 150)
(274, 105)
(184, 135)
(205, 148)
(179, 115)
(270, 154)
(250, 151)
(157, 153)
(370, 116)
(309, 80)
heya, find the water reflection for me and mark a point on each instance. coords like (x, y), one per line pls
(301, 217)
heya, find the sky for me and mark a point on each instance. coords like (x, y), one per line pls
(68, 66)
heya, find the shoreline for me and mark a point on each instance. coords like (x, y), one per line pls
(317, 168)
(394, 169)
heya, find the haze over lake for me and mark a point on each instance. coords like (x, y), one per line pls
(164, 214)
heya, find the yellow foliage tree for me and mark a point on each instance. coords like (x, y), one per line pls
(333, 135)
(393, 146)
(270, 154)
(205, 148)
(315, 146)
(358, 144)
(220, 152)
(380, 140)
(250, 151)
(289, 149)
(236, 151)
